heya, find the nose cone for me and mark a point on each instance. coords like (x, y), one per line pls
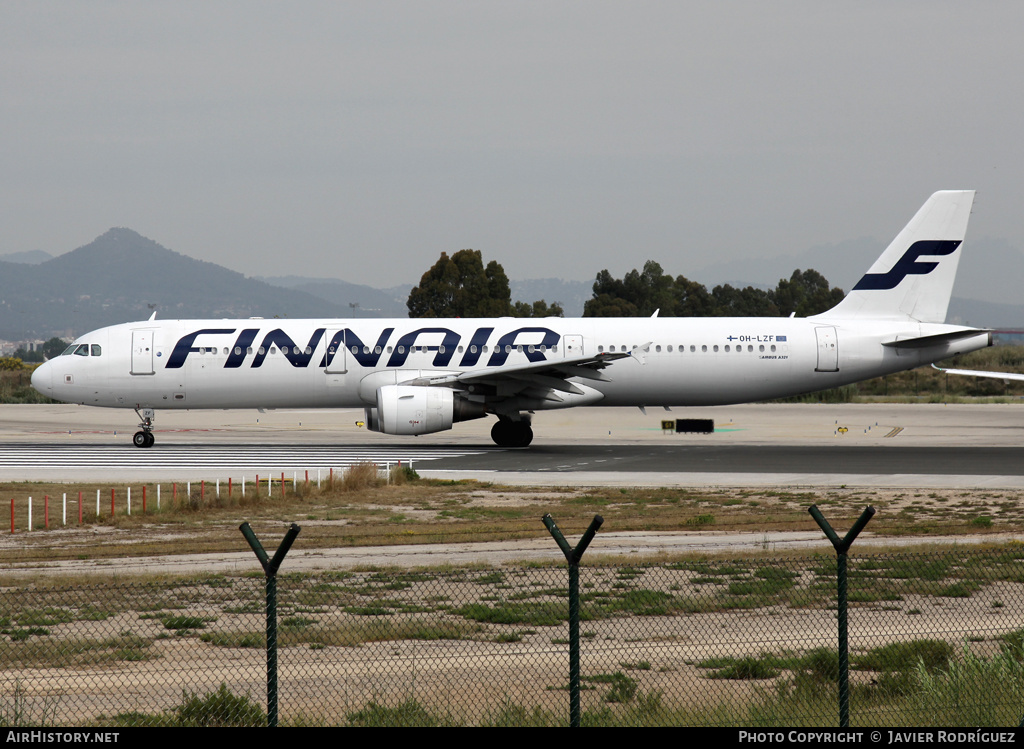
(42, 379)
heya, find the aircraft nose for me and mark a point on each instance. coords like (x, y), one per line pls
(42, 379)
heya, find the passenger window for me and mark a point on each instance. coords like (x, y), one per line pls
(726, 349)
(96, 350)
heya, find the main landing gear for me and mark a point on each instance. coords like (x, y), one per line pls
(508, 433)
(144, 437)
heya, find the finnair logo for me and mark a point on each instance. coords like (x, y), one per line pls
(908, 265)
(443, 343)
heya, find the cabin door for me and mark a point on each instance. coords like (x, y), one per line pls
(142, 352)
(337, 354)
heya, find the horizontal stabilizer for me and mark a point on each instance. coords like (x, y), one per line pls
(925, 341)
(1004, 376)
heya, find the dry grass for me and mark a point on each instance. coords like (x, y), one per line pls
(363, 509)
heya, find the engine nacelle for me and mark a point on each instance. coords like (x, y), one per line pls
(415, 409)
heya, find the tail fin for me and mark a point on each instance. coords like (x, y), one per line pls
(903, 286)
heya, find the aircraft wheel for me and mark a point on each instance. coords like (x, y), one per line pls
(511, 433)
(141, 439)
(524, 434)
(150, 439)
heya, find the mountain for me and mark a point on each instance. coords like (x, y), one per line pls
(31, 257)
(370, 302)
(122, 276)
(391, 302)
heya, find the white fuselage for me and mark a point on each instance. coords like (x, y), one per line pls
(183, 364)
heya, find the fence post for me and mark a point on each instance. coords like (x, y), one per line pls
(573, 556)
(270, 567)
(842, 546)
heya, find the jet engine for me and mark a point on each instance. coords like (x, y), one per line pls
(415, 409)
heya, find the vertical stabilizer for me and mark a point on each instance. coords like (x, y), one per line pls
(913, 279)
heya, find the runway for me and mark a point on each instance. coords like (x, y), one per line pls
(627, 464)
(891, 445)
(32, 458)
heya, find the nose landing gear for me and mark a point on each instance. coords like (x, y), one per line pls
(144, 437)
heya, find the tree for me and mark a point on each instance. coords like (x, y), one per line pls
(460, 286)
(54, 347)
(641, 293)
(806, 293)
(537, 309)
(638, 294)
(747, 302)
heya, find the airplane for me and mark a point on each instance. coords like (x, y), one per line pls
(421, 376)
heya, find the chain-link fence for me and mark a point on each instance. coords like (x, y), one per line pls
(935, 639)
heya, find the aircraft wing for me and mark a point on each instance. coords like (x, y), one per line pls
(551, 374)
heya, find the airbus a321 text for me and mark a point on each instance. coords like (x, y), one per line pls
(416, 376)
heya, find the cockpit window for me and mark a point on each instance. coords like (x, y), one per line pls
(82, 350)
(70, 350)
(96, 350)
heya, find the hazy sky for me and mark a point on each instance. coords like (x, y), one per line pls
(360, 139)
